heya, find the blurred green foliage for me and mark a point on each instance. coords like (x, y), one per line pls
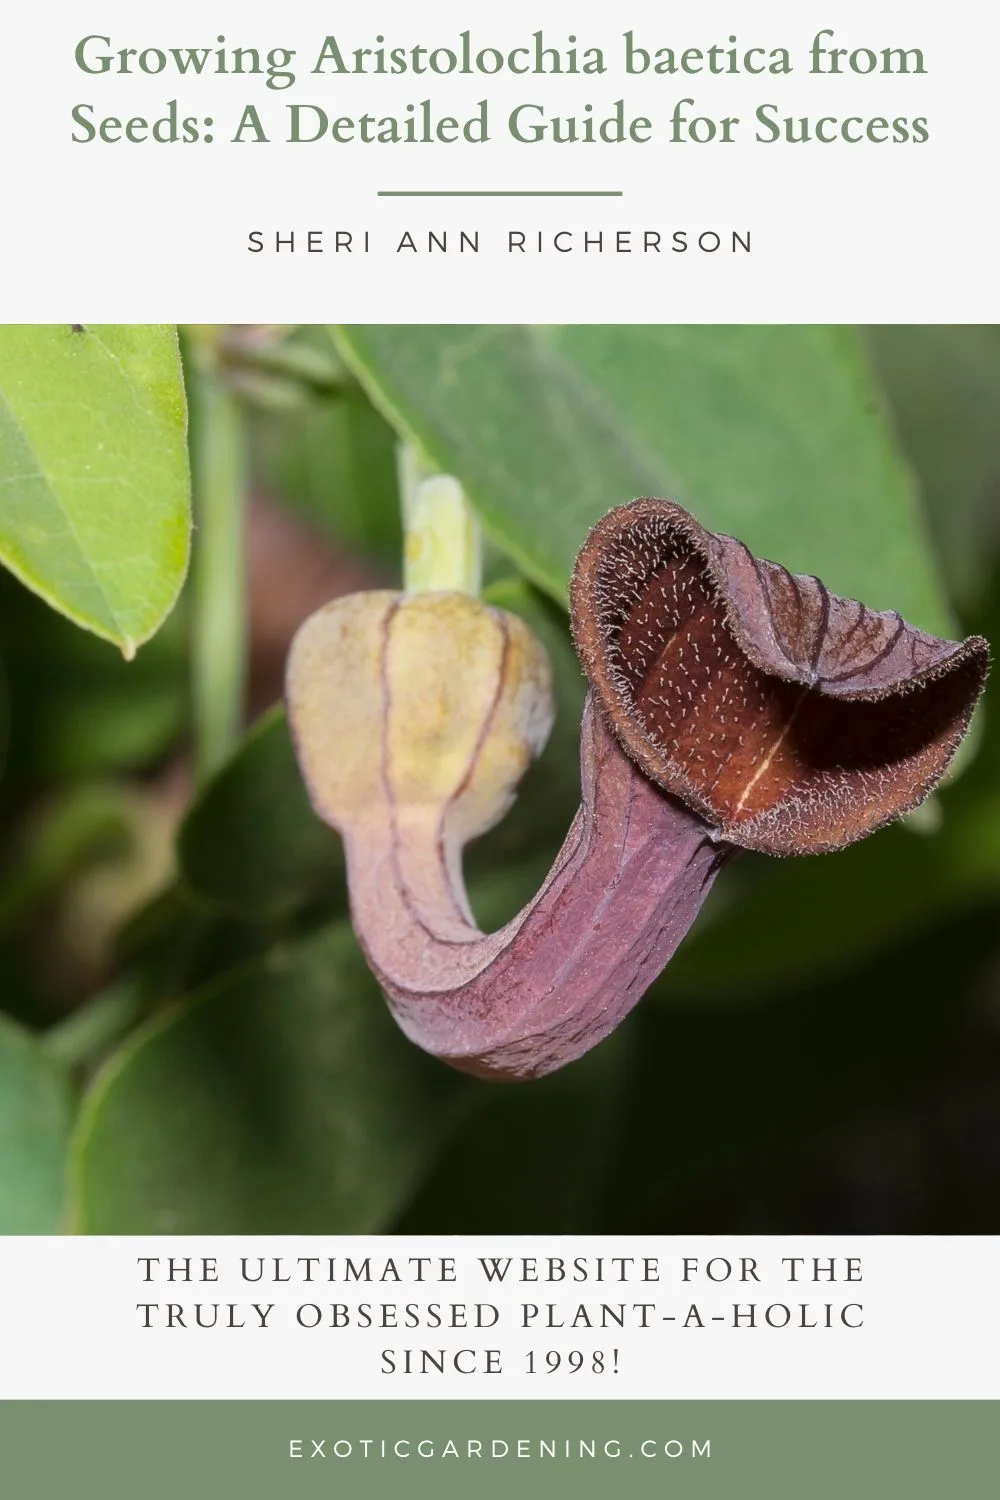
(192, 1040)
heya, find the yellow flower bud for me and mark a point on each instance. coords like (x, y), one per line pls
(432, 704)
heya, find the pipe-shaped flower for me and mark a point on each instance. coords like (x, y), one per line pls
(732, 704)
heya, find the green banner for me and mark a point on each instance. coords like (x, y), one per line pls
(269, 1450)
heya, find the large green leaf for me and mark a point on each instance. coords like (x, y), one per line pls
(281, 1100)
(35, 1111)
(94, 472)
(774, 434)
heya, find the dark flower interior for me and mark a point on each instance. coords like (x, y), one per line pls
(793, 720)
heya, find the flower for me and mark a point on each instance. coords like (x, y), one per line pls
(732, 705)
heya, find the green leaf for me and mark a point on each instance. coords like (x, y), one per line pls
(94, 469)
(35, 1114)
(282, 1100)
(251, 843)
(772, 433)
(174, 945)
(943, 384)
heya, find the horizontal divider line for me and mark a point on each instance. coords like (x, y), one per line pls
(497, 193)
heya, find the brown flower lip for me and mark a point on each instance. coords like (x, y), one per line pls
(793, 720)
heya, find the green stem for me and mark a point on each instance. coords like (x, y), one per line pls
(219, 624)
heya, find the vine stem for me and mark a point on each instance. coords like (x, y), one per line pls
(218, 656)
